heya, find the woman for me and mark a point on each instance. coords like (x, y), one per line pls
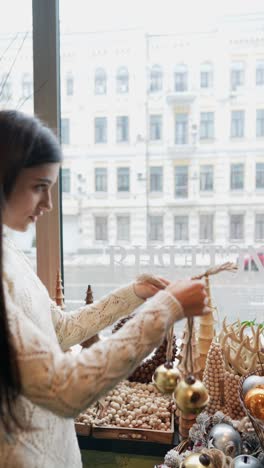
(53, 386)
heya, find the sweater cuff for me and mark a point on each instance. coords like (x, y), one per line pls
(129, 295)
(167, 299)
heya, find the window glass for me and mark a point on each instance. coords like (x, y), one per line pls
(260, 123)
(237, 75)
(155, 228)
(236, 227)
(100, 130)
(206, 76)
(155, 127)
(181, 129)
(206, 178)
(123, 227)
(237, 123)
(100, 179)
(181, 78)
(155, 79)
(123, 179)
(100, 82)
(156, 179)
(181, 181)
(237, 177)
(206, 227)
(122, 80)
(122, 129)
(260, 73)
(206, 125)
(181, 228)
(259, 227)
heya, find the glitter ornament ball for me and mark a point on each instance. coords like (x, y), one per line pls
(166, 377)
(197, 460)
(244, 461)
(224, 437)
(190, 395)
(254, 402)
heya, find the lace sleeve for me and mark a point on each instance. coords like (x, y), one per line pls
(66, 383)
(75, 327)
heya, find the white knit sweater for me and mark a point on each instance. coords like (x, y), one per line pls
(56, 386)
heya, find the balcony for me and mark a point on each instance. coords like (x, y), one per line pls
(180, 97)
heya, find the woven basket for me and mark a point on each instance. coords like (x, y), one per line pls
(258, 426)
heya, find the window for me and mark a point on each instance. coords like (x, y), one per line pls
(27, 86)
(100, 129)
(101, 233)
(156, 77)
(180, 78)
(155, 228)
(259, 227)
(156, 179)
(259, 175)
(181, 181)
(260, 122)
(65, 180)
(206, 125)
(123, 227)
(237, 75)
(237, 177)
(237, 123)
(181, 129)
(122, 129)
(100, 179)
(65, 131)
(5, 88)
(122, 80)
(207, 178)
(69, 85)
(206, 76)
(155, 130)
(236, 227)
(123, 179)
(260, 73)
(181, 228)
(100, 81)
(206, 227)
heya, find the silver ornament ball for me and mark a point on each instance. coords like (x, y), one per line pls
(224, 437)
(252, 381)
(243, 461)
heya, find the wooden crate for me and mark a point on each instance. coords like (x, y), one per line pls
(83, 429)
(134, 434)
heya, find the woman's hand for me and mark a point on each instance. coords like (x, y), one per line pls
(148, 285)
(192, 296)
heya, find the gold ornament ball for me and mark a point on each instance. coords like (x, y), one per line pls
(190, 395)
(166, 378)
(254, 402)
(197, 460)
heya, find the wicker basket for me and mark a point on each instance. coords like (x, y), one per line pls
(258, 426)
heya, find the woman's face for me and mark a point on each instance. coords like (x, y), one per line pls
(31, 196)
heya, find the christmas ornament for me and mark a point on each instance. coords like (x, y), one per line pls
(247, 461)
(190, 395)
(252, 381)
(224, 437)
(197, 460)
(166, 377)
(254, 402)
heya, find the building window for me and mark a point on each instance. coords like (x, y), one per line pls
(123, 179)
(101, 233)
(181, 129)
(122, 80)
(237, 177)
(69, 85)
(5, 88)
(206, 125)
(100, 129)
(27, 86)
(65, 180)
(237, 124)
(206, 227)
(156, 228)
(207, 178)
(260, 122)
(236, 227)
(156, 179)
(123, 228)
(100, 175)
(65, 131)
(181, 228)
(260, 176)
(155, 130)
(260, 73)
(259, 227)
(181, 78)
(156, 77)
(237, 75)
(206, 76)
(100, 81)
(181, 181)
(122, 129)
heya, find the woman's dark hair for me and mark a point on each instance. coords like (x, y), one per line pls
(24, 142)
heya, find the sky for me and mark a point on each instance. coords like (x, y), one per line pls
(151, 15)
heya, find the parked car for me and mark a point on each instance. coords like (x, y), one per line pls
(249, 260)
